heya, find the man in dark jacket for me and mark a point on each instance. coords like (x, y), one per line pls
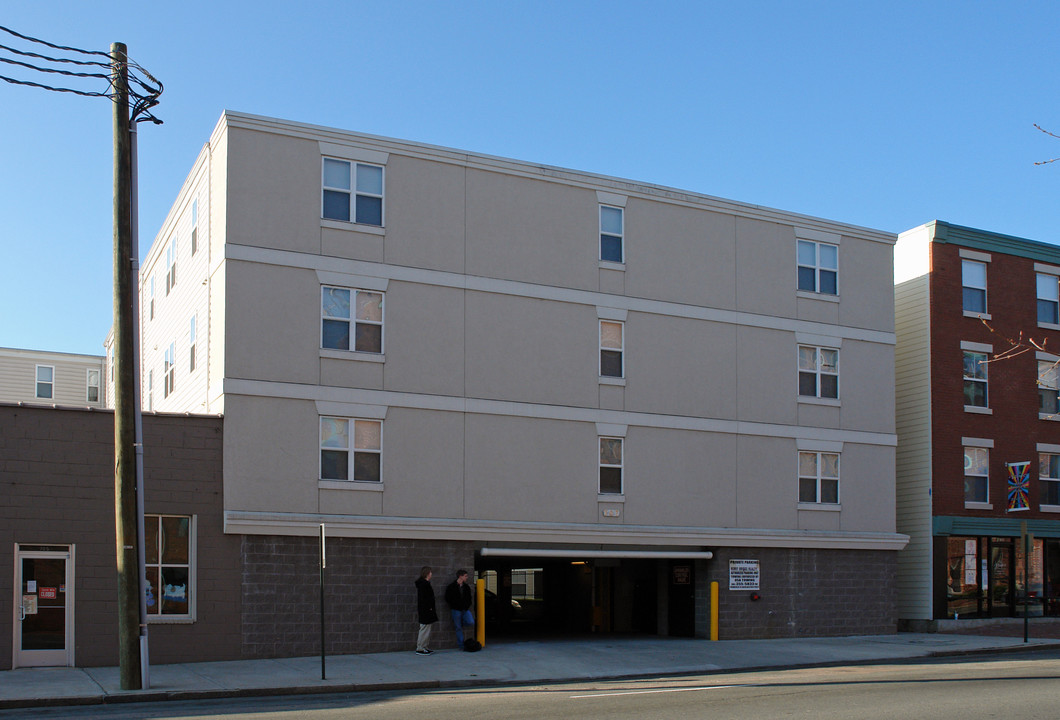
(425, 610)
(458, 596)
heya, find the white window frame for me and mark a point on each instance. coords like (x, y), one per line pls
(194, 225)
(818, 372)
(817, 266)
(353, 191)
(353, 321)
(819, 478)
(171, 265)
(151, 294)
(1047, 481)
(89, 385)
(1047, 291)
(620, 236)
(38, 383)
(191, 345)
(620, 466)
(984, 380)
(1048, 382)
(620, 350)
(350, 449)
(150, 390)
(976, 447)
(169, 370)
(966, 282)
(190, 616)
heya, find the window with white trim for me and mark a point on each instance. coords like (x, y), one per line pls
(975, 380)
(973, 286)
(169, 370)
(171, 265)
(819, 477)
(976, 475)
(194, 226)
(612, 234)
(1049, 478)
(351, 449)
(151, 295)
(1048, 387)
(150, 390)
(92, 383)
(610, 466)
(351, 319)
(352, 190)
(168, 545)
(45, 382)
(1048, 289)
(191, 345)
(818, 264)
(818, 371)
(612, 339)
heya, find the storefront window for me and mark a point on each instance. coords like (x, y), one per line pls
(962, 583)
(1035, 578)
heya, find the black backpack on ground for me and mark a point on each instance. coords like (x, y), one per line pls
(472, 645)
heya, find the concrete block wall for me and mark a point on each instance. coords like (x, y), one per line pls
(369, 598)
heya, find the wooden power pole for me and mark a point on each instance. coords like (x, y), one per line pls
(124, 397)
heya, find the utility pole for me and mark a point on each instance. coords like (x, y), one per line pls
(129, 590)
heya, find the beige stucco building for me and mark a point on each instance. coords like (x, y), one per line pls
(596, 392)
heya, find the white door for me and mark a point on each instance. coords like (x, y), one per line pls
(44, 607)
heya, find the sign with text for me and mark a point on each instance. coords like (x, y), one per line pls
(744, 575)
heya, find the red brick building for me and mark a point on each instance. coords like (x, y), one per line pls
(978, 462)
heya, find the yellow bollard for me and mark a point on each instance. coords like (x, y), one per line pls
(714, 610)
(480, 611)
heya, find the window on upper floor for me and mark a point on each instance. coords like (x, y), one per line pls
(818, 371)
(1048, 387)
(611, 349)
(1049, 478)
(150, 390)
(191, 345)
(151, 295)
(92, 383)
(819, 477)
(352, 190)
(194, 226)
(818, 267)
(976, 475)
(169, 370)
(171, 265)
(973, 286)
(169, 550)
(351, 449)
(45, 382)
(1048, 299)
(611, 234)
(610, 466)
(351, 319)
(975, 380)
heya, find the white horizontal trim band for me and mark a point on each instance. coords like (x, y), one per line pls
(590, 554)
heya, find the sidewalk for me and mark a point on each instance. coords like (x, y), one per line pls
(500, 663)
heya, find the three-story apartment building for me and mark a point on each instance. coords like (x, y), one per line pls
(594, 392)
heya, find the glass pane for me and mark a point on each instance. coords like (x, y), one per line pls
(335, 303)
(367, 434)
(807, 358)
(44, 374)
(829, 282)
(1047, 311)
(45, 629)
(808, 384)
(830, 386)
(174, 591)
(1047, 287)
(808, 464)
(336, 174)
(1050, 493)
(336, 335)
(975, 461)
(829, 255)
(610, 451)
(44, 390)
(336, 205)
(93, 394)
(369, 210)
(807, 279)
(1047, 401)
(369, 306)
(369, 338)
(152, 590)
(973, 274)
(611, 220)
(151, 538)
(975, 489)
(175, 541)
(333, 465)
(334, 433)
(610, 481)
(611, 248)
(1047, 374)
(610, 363)
(807, 490)
(93, 377)
(975, 393)
(611, 335)
(829, 491)
(370, 179)
(829, 465)
(807, 253)
(830, 361)
(975, 365)
(974, 300)
(366, 467)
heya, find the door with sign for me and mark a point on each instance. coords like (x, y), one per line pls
(44, 606)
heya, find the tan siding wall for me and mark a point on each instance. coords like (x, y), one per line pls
(18, 377)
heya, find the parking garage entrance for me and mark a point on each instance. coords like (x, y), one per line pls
(601, 592)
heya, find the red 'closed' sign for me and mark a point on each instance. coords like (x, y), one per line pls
(47, 593)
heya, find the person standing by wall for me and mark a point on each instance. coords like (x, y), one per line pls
(458, 596)
(425, 610)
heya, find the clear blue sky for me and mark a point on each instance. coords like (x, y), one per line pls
(886, 115)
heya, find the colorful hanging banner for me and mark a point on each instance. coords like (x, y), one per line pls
(1019, 479)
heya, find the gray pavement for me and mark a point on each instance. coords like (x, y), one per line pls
(500, 663)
